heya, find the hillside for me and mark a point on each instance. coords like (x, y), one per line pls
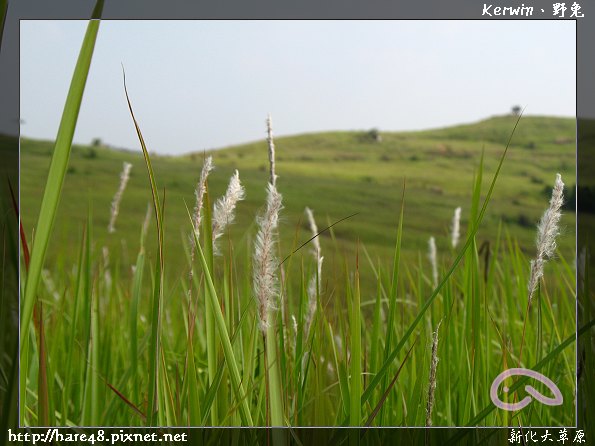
(334, 173)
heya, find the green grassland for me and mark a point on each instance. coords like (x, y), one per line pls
(97, 366)
(336, 174)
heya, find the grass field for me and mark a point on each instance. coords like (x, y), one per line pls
(336, 174)
(154, 324)
(123, 344)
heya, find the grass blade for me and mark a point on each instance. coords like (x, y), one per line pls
(388, 389)
(355, 388)
(392, 306)
(380, 375)
(158, 290)
(56, 174)
(521, 381)
(224, 337)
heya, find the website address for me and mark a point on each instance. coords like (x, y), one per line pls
(100, 436)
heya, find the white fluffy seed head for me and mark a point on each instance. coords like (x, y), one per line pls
(313, 290)
(547, 231)
(224, 209)
(201, 188)
(124, 177)
(432, 256)
(264, 266)
(271, 142)
(314, 229)
(456, 227)
(199, 193)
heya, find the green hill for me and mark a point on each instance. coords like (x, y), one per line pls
(334, 173)
(353, 314)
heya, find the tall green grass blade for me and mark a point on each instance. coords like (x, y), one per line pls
(154, 350)
(56, 175)
(43, 402)
(392, 305)
(168, 397)
(212, 393)
(78, 290)
(153, 389)
(97, 10)
(380, 375)
(86, 310)
(137, 281)
(224, 338)
(475, 421)
(212, 345)
(273, 374)
(376, 327)
(194, 415)
(94, 366)
(389, 388)
(355, 387)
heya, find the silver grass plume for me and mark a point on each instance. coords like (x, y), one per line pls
(314, 230)
(433, 260)
(224, 209)
(315, 281)
(124, 177)
(547, 230)
(432, 386)
(201, 188)
(456, 227)
(273, 175)
(265, 265)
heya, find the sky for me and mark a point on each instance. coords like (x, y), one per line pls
(200, 85)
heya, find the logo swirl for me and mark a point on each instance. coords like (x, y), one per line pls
(556, 401)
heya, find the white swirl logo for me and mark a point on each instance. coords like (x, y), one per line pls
(556, 401)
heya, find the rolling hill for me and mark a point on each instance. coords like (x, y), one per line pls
(334, 173)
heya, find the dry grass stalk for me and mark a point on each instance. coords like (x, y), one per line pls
(432, 386)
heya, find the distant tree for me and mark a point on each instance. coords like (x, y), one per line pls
(374, 135)
(516, 110)
(96, 142)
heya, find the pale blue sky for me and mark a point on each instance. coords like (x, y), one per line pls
(198, 85)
